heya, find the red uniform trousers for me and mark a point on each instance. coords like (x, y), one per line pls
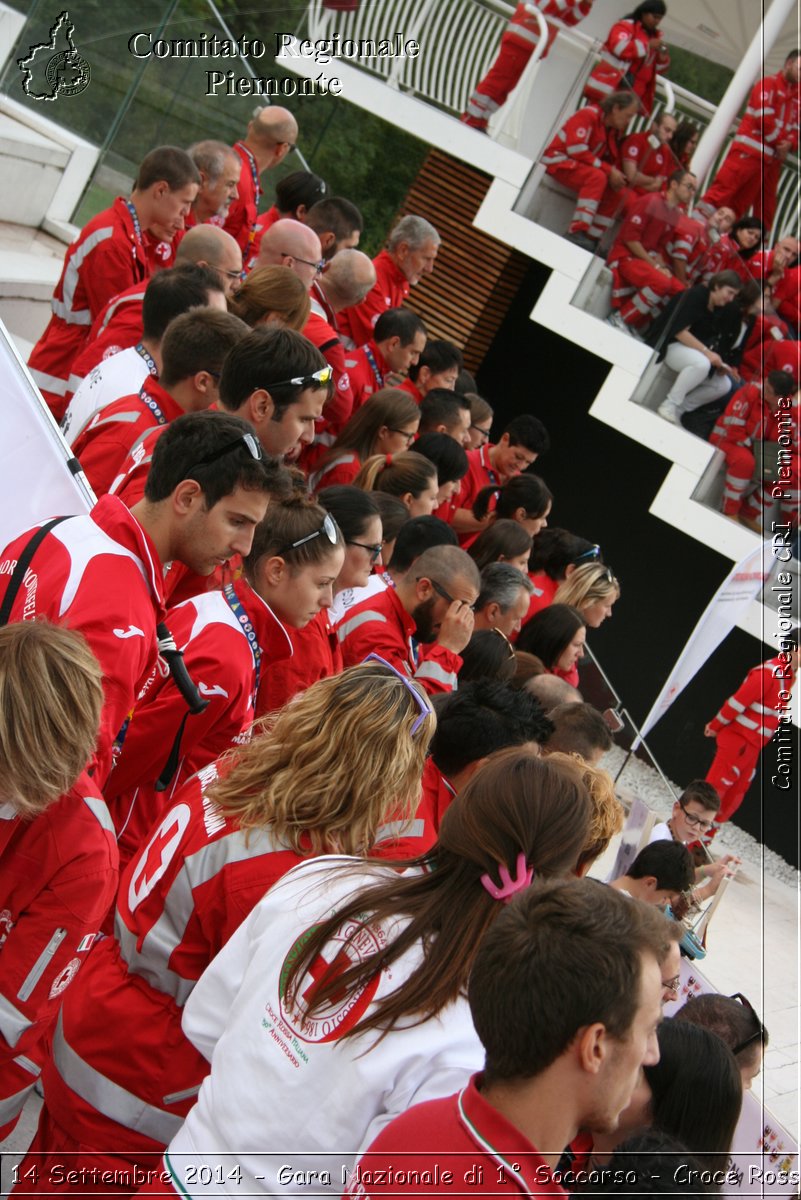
(732, 770)
(598, 203)
(650, 288)
(739, 473)
(503, 76)
(744, 181)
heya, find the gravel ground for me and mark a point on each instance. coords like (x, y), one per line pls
(642, 780)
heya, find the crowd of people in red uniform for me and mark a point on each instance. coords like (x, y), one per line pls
(318, 619)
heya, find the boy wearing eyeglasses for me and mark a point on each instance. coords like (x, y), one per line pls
(694, 815)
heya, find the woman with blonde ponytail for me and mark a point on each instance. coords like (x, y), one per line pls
(344, 992)
(319, 777)
(409, 476)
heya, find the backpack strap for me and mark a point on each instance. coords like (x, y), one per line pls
(23, 562)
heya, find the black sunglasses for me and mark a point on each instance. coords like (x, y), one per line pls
(440, 590)
(374, 551)
(327, 529)
(248, 440)
(758, 1035)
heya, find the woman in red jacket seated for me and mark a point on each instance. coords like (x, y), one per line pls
(556, 635)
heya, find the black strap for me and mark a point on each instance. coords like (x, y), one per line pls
(23, 562)
(186, 686)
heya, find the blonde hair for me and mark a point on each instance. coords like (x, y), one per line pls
(331, 766)
(51, 695)
(607, 816)
(272, 291)
(397, 474)
(587, 584)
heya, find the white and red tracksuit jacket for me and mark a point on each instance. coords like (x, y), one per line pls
(315, 655)
(628, 62)
(745, 420)
(58, 879)
(99, 574)
(117, 327)
(227, 670)
(105, 441)
(770, 117)
(389, 291)
(381, 625)
(752, 710)
(107, 257)
(325, 337)
(648, 155)
(125, 1082)
(367, 374)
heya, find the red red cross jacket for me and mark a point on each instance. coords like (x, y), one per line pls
(241, 219)
(105, 441)
(106, 258)
(99, 574)
(650, 156)
(411, 839)
(745, 419)
(752, 710)
(381, 625)
(770, 117)
(336, 410)
(652, 223)
(586, 140)
(768, 331)
(315, 655)
(117, 326)
(389, 291)
(363, 379)
(220, 660)
(58, 878)
(627, 61)
(127, 1081)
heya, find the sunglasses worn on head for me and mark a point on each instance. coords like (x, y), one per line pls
(758, 1035)
(327, 529)
(316, 379)
(422, 703)
(593, 552)
(440, 590)
(248, 440)
(374, 550)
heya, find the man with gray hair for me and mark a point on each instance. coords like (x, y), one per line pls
(219, 168)
(433, 603)
(348, 279)
(412, 247)
(504, 598)
(271, 134)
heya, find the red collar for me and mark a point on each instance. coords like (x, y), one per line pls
(510, 1148)
(274, 640)
(169, 407)
(392, 598)
(387, 263)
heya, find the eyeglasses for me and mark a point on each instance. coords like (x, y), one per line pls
(319, 267)
(696, 822)
(231, 274)
(593, 552)
(403, 433)
(485, 433)
(440, 590)
(327, 529)
(501, 634)
(305, 381)
(759, 1035)
(248, 440)
(672, 985)
(374, 551)
(420, 700)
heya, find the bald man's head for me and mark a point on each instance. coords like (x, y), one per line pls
(210, 246)
(349, 277)
(289, 243)
(272, 133)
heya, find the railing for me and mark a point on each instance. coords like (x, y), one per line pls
(461, 41)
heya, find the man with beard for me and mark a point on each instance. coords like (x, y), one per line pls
(420, 626)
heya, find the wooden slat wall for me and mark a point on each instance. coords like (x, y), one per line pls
(475, 277)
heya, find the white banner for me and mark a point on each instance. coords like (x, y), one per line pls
(738, 590)
(37, 482)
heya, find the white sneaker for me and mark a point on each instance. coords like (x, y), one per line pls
(669, 409)
(617, 322)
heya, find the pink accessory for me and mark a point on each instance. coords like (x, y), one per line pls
(509, 885)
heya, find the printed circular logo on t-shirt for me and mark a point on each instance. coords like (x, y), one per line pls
(353, 942)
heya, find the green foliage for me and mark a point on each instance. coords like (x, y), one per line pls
(707, 79)
(359, 155)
